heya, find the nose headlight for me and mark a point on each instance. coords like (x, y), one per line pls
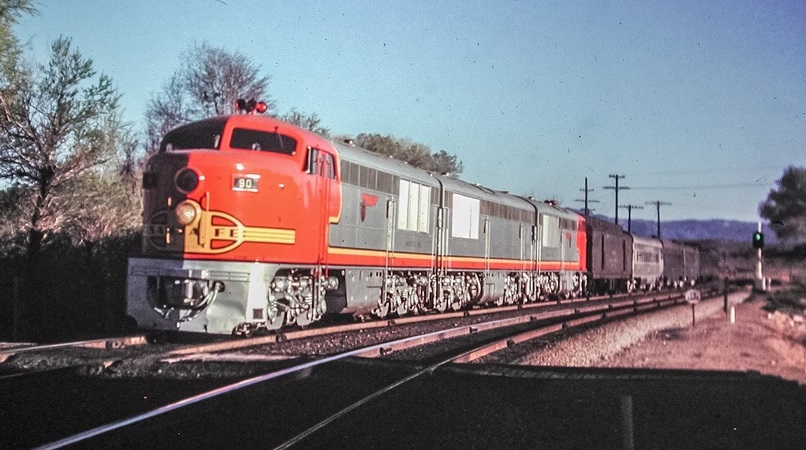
(186, 180)
(186, 213)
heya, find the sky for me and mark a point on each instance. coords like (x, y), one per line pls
(701, 105)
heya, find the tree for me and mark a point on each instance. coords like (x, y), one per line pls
(444, 162)
(785, 207)
(10, 12)
(310, 122)
(128, 163)
(166, 111)
(96, 206)
(53, 124)
(209, 82)
(416, 154)
(54, 128)
(11, 9)
(14, 211)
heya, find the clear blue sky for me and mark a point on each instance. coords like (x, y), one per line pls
(700, 104)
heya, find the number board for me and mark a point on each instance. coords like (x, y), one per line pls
(245, 183)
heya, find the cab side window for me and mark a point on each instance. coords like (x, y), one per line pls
(320, 163)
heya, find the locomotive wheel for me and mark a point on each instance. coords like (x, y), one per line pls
(381, 311)
(303, 320)
(277, 322)
(554, 286)
(441, 304)
(403, 306)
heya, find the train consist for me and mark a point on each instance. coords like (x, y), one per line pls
(251, 222)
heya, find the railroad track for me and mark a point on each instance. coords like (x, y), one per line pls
(224, 344)
(286, 335)
(121, 342)
(112, 352)
(101, 343)
(504, 333)
(110, 343)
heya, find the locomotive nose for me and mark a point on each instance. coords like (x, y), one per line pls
(171, 174)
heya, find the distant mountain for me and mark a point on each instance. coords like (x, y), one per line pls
(697, 230)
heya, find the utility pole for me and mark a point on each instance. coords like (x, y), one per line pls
(616, 188)
(629, 209)
(586, 200)
(658, 204)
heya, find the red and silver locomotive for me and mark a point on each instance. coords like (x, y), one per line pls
(251, 222)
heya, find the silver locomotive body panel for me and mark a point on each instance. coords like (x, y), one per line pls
(197, 296)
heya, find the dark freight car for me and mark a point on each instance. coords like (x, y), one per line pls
(610, 256)
(681, 263)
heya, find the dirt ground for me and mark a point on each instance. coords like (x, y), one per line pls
(769, 343)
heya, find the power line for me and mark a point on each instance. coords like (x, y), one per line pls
(702, 186)
(678, 172)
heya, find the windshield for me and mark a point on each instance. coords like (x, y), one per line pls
(204, 134)
(266, 141)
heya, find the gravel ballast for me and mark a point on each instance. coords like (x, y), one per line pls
(590, 348)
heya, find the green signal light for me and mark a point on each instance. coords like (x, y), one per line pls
(758, 240)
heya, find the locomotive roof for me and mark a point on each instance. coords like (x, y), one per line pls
(397, 167)
(385, 163)
(391, 165)
(606, 225)
(554, 210)
(483, 192)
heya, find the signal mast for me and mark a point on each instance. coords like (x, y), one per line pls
(758, 244)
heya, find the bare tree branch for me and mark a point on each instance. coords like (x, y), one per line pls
(210, 81)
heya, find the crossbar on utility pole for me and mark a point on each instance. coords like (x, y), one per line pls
(629, 209)
(658, 204)
(586, 200)
(616, 188)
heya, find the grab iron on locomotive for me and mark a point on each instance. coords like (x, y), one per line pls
(251, 222)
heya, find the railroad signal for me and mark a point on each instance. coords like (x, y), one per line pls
(758, 240)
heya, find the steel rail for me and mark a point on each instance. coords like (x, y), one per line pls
(210, 394)
(485, 349)
(384, 323)
(282, 336)
(102, 343)
(370, 351)
(36, 373)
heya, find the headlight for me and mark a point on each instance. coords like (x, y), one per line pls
(186, 180)
(186, 213)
